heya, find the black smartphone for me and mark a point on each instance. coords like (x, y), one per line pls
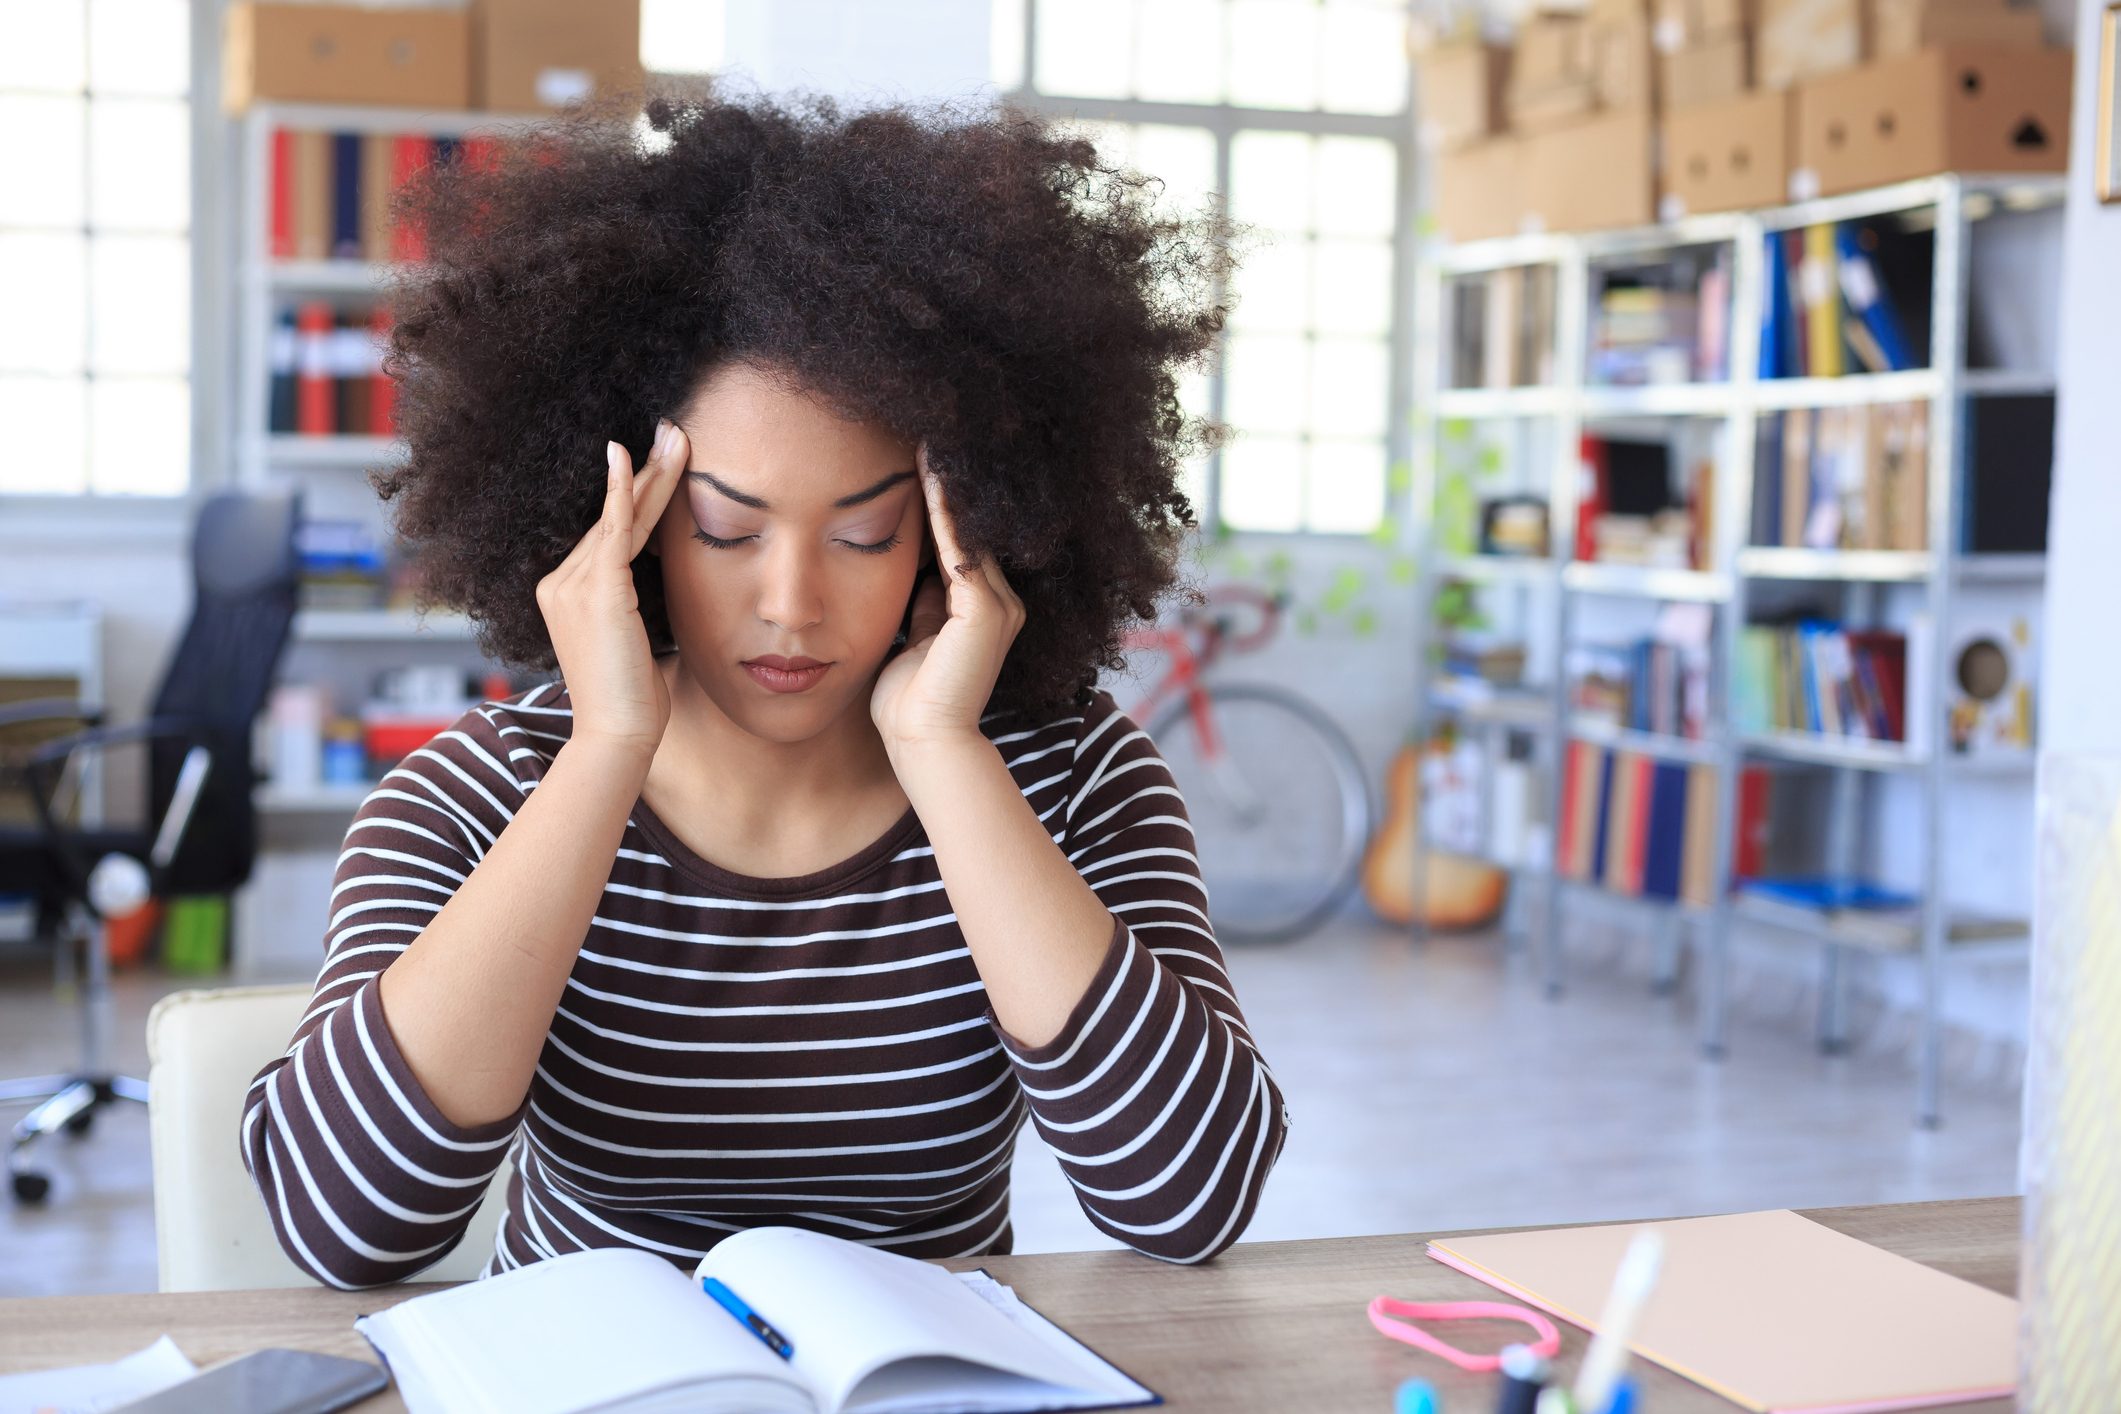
(269, 1382)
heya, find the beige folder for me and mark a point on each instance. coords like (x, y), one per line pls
(1772, 1310)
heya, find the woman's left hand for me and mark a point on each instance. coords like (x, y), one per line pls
(964, 619)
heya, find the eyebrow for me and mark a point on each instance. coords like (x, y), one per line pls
(758, 503)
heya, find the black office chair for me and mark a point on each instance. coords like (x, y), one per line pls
(201, 830)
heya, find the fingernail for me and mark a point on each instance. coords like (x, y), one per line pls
(611, 455)
(662, 434)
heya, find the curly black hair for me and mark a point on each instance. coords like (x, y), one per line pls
(976, 276)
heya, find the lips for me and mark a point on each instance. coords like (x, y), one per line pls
(778, 674)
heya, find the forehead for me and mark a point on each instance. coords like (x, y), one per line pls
(761, 432)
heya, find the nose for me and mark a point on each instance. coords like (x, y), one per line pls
(789, 596)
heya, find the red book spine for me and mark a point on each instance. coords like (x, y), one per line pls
(1751, 843)
(1590, 497)
(409, 155)
(1638, 857)
(1565, 835)
(383, 392)
(280, 204)
(316, 400)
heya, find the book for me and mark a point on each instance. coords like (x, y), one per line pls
(618, 1328)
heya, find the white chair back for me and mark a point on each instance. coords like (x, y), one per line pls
(204, 1047)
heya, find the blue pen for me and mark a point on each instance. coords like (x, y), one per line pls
(751, 1320)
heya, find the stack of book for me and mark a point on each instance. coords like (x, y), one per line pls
(1844, 478)
(341, 565)
(1822, 677)
(1830, 307)
(1637, 826)
(327, 376)
(1644, 686)
(329, 193)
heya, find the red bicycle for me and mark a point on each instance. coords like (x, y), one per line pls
(1280, 807)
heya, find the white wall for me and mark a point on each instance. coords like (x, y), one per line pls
(2081, 697)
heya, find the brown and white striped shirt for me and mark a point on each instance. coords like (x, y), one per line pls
(733, 1051)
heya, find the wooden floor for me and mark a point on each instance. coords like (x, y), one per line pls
(1430, 1087)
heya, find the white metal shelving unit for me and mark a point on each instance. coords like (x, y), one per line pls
(326, 467)
(1953, 202)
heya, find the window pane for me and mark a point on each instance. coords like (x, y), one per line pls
(1193, 472)
(1262, 483)
(40, 161)
(45, 450)
(1184, 158)
(139, 47)
(1274, 53)
(1354, 290)
(1348, 387)
(140, 295)
(45, 48)
(142, 436)
(43, 303)
(1179, 53)
(1270, 180)
(1085, 48)
(1263, 387)
(139, 164)
(1345, 490)
(1272, 285)
(1356, 195)
(1005, 42)
(682, 36)
(1364, 57)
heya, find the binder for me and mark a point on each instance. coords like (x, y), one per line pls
(346, 196)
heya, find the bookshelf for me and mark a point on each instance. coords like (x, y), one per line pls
(1556, 600)
(344, 647)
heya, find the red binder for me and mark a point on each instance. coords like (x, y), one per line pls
(316, 401)
(280, 213)
(412, 152)
(383, 392)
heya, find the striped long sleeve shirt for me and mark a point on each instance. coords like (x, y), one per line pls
(731, 1051)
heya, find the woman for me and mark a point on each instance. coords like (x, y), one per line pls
(823, 861)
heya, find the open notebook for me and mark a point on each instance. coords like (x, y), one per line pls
(622, 1329)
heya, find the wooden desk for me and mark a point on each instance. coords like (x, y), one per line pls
(1267, 1326)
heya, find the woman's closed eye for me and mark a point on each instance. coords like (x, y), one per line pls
(719, 542)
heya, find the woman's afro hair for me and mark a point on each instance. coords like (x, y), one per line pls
(977, 277)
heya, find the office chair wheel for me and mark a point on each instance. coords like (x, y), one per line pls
(30, 1187)
(77, 1126)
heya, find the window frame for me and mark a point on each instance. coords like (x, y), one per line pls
(89, 516)
(1224, 121)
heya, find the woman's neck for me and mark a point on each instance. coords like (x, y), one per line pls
(738, 799)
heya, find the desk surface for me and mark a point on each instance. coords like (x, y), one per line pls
(1266, 1326)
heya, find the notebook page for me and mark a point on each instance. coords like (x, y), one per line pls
(582, 1331)
(850, 1310)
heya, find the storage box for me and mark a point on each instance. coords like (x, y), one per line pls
(1480, 190)
(1800, 39)
(1592, 174)
(1904, 26)
(533, 55)
(1726, 156)
(1713, 72)
(1969, 108)
(1462, 87)
(305, 53)
(1622, 72)
(1685, 24)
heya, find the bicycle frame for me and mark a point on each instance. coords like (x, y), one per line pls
(1189, 665)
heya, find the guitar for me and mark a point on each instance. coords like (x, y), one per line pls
(1456, 892)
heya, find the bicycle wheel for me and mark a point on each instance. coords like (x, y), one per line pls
(1280, 808)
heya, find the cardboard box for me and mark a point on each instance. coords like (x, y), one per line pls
(1685, 24)
(1462, 88)
(1593, 174)
(1968, 108)
(305, 53)
(1726, 156)
(1904, 26)
(1552, 51)
(1801, 39)
(538, 55)
(1623, 74)
(1714, 72)
(1480, 190)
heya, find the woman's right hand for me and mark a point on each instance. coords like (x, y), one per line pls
(593, 615)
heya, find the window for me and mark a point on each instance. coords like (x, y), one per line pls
(1294, 111)
(95, 248)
